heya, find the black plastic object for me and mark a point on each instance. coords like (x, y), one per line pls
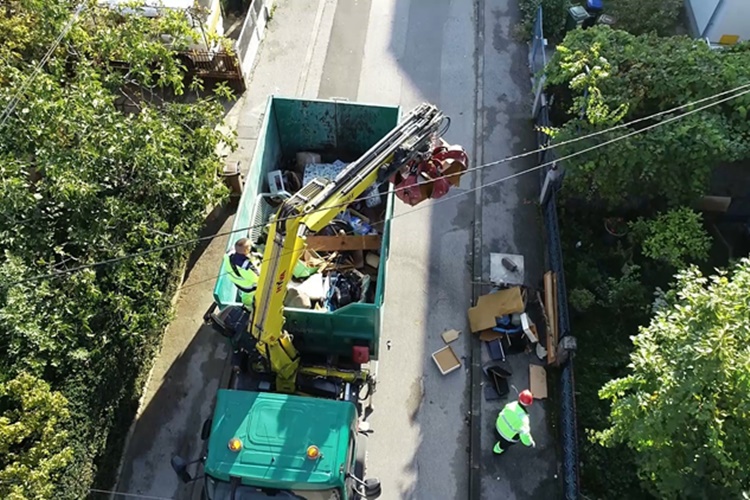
(490, 394)
(495, 349)
(347, 287)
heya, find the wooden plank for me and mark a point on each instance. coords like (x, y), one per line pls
(538, 381)
(343, 243)
(555, 310)
(714, 204)
(551, 315)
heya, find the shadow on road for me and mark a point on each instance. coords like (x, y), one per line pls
(171, 419)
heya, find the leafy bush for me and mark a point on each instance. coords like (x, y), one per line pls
(581, 299)
(675, 237)
(644, 16)
(33, 450)
(644, 75)
(683, 406)
(617, 278)
(553, 18)
(82, 181)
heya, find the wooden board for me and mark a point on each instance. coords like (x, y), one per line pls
(714, 204)
(450, 335)
(555, 314)
(529, 328)
(446, 360)
(343, 242)
(551, 314)
(490, 306)
(538, 381)
(489, 335)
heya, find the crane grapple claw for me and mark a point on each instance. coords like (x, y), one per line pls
(431, 176)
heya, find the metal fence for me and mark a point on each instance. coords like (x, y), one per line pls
(540, 113)
(538, 61)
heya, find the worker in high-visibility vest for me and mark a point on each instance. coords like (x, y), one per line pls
(513, 423)
(241, 271)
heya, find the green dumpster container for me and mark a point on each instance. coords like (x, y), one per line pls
(335, 129)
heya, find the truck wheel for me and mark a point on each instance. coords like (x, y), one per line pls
(206, 430)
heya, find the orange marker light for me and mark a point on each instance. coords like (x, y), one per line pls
(313, 453)
(235, 444)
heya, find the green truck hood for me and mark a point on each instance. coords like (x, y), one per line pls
(276, 430)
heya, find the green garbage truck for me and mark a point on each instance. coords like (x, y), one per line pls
(315, 211)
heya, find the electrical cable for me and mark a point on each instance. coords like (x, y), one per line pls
(16, 98)
(132, 495)
(435, 202)
(622, 125)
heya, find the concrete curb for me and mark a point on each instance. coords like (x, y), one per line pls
(475, 374)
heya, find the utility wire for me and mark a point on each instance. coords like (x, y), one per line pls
(131, 495)
(617, 127)
(479, 167)
(17, 97)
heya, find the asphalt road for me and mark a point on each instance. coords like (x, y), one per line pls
(393, 52)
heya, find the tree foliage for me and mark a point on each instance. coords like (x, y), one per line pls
(645, 16)
(553, 17)
(634, 16)
(33, 449)
(676, 237)
(685, 404)
(605, 72)
(95, 166)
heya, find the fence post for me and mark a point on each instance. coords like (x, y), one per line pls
(550, 183)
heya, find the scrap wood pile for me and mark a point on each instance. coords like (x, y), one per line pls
(515, 319)
(340, 264)
(511, 319)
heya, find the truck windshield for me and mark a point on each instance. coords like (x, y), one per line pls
(222, 490)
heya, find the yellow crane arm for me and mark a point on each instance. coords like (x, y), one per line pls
(310, 210)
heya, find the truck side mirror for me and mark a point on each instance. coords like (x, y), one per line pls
(372, 488)
(180, 467)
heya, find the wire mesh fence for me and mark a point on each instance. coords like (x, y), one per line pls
(540, 113)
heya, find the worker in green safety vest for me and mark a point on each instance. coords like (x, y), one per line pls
(513, 423)
(241, 271)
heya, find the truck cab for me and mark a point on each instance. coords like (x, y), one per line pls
(262, 445)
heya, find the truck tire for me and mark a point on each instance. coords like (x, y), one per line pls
(206, 430)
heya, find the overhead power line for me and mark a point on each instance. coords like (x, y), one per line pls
(115, 260)
(38, 68)
(128, 495)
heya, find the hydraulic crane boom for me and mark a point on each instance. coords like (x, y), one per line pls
(413, 150)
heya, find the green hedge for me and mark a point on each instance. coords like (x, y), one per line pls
(82, 181)
(642, 180)
(630, 78)
(634, 16)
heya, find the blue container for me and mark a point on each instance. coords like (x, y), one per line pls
(594, 6)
